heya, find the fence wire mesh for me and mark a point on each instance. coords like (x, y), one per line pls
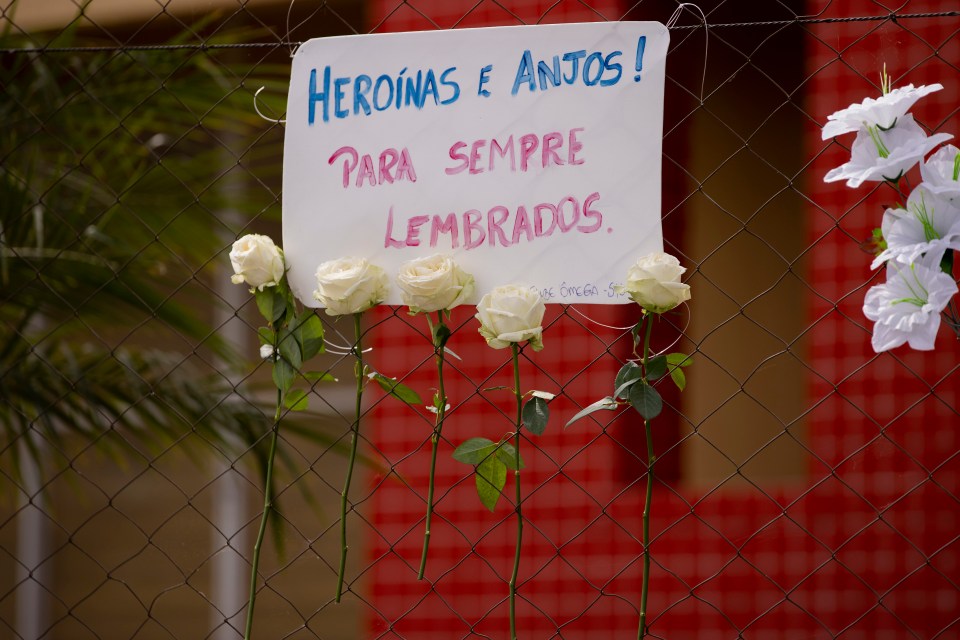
(808, 488)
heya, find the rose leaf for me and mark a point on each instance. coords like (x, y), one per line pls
(646, 400)
(491, 477)
(535, 415)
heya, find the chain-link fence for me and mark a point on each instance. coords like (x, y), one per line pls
(806, 487)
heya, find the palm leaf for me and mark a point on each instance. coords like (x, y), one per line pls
(110, 172)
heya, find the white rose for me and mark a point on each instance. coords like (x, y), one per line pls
(433, 283)
(350, 285)
(654, 283)
(256, 261)
(511, 314)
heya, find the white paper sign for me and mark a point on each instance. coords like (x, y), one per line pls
(531, 155)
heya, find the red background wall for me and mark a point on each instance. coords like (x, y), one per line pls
(866, 546)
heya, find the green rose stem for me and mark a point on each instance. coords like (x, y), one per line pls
(439, 339)
(355, 431)
(516, 476)
(267, 506)
(651, 459)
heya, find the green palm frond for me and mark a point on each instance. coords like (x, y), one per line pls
(114, 168)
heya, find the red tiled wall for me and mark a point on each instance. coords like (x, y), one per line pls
(865, 547)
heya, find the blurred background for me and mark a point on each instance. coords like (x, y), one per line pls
(806, 487)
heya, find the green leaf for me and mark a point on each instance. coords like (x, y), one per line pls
(646, 401)
(679, 378)
(309, 333)
(608, 404)
(271, 304)
(679, 359)
(267, 335)
(491, 477)
(282, 304)
(535, 415)
(397, 389)
(656, 367)
(296, 400)
(441, 333)
(625, 379)
(265, 303)
(508, 456)
(319, 376)
(474, 451)
(289, 301)
(289, 349)
(283, 375)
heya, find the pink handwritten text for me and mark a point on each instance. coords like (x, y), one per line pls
(498, 226)
(392, 166)
(531, 149)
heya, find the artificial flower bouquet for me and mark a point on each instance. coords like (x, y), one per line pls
(918, 237)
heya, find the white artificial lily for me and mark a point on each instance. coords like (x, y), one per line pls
(885, 155)
(930, 225)
(882, 112)
(941, 172)
(906, 308)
